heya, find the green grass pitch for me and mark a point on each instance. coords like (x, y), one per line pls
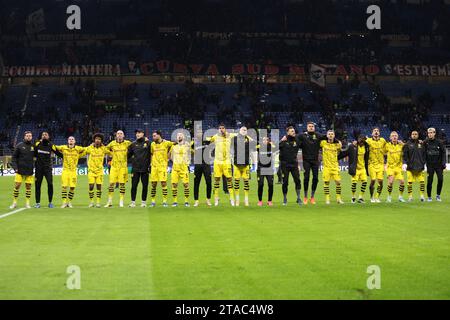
(292, 252)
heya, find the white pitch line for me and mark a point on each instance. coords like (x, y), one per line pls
(11, 213)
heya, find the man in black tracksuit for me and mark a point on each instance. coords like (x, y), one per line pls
(43, 150)
(265, 169)
(436, 162)
(310, 144)
(23, 164)
(139, 155)
(414, 157)
(202, 167)
(289, 164)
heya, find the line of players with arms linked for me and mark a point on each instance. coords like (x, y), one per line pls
(367, 157)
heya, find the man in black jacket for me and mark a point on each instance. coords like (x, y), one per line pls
(358, 162)
(23, 164)
(310, 144)
(414, 156)
(139, 154)
(43, 150)
(265, 169)
(289, 164)
(202, 167)
(436, 163)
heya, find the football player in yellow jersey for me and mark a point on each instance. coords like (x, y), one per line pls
(181, 158)
(242, 145)
(376, 163)
(330, 152)
(394, 165)
(159, 150)
(71, 154)
(119, 166)
(222, 162)
(96, 157)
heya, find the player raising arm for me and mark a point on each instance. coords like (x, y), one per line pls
(71, 154)
(119, 166)
(43, 150)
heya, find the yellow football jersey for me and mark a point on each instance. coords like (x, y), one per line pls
(330, 152)
(119, 151)
(376, 151)
(160, 153)
(181, 155)
(361, 164)
(394, 155)
(71, 156)
(222, 149)
(96, 158)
